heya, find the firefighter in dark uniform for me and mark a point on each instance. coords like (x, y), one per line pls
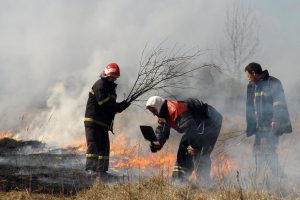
(99, 115)
(267, 116)
(200, 125)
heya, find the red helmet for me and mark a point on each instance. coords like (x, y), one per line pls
(111, 70)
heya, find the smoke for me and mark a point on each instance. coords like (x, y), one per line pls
(52, 52)
(43, 44)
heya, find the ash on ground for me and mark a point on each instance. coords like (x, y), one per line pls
(33, 166)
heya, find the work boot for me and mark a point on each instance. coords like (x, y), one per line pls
(179, 178)
(91, 174)
(110, 178)
(91, 164)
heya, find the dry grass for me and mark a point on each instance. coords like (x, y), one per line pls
(160, 188)
(155, 188)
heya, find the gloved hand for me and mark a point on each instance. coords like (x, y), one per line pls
(123, 105)
(190, 150)
(155, 146)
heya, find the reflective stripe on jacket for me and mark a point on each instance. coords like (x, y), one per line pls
(101, 104)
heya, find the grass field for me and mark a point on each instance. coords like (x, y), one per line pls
(158, 188)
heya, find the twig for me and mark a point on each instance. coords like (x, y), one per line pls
(160, 70)
(239, 184)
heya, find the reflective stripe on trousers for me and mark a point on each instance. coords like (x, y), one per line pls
(100, 157)
(88, 119)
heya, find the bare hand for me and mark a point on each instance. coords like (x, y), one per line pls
(275, 125)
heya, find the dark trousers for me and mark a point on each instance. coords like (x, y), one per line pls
(203, 144)
(265, 152)
(98, 147)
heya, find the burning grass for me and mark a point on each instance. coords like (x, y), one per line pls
(222, 165)
(128, 154)
(6, 134)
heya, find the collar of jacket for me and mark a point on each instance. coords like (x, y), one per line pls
(163, 111)
(109, 83)
(264, 75)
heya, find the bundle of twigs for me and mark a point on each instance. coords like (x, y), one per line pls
(161, 70)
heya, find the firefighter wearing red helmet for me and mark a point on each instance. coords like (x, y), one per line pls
(111, 70)
(99, 115)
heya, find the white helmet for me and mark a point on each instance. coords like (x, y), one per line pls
(155, 102)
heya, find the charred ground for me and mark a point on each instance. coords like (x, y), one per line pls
(31, 165)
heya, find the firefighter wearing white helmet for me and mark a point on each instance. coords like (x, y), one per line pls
(154, 104)
(200, 125)
(99, 115)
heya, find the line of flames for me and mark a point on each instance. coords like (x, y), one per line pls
(130, 155)
(6, 134)
(126, 155)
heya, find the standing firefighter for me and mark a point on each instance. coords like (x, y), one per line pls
(267, 116)
(200, 125)
(99, 115)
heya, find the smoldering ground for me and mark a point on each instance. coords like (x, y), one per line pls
(52, 52)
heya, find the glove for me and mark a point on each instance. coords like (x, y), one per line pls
(155, 146)
(123, 105)
(190, 151)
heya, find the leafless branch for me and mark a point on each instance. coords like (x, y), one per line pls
(241, 39)
(162, 69)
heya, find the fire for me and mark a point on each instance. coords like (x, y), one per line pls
(77, 148)
(126, 153)
(127, 156)
(6, 134)
(78, 145)
(134, 159)
(222, 166)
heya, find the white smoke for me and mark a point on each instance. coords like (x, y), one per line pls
(52, 52)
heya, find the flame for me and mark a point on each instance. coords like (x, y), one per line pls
(78, 145)
(6, 134)
(222, 166)
(77, 148)
(126, 155)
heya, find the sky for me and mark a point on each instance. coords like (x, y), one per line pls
(51, 52)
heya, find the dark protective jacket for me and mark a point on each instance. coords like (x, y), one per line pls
(265, 104)
(183, 116)
(101, 105)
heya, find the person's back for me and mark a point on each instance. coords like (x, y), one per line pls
(200, 125)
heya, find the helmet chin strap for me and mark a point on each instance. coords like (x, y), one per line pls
(111, 79)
